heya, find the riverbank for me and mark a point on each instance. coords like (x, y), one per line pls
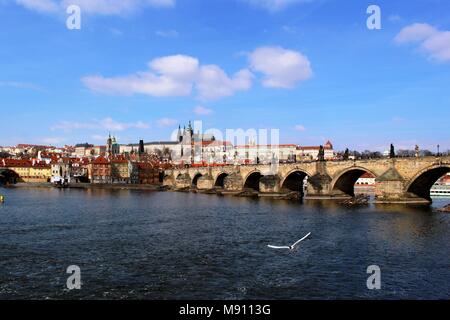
(92, 186)
(293, 196)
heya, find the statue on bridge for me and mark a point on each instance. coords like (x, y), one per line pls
(392, 152)
(346, 155)
(321, 156)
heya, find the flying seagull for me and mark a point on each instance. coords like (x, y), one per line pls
(291, 247)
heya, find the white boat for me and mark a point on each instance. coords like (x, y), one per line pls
(440, 191)
(60, 182)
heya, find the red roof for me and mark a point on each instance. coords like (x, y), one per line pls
(314, 148)
(367, 175)
(118, 161)
(15, 163)
(144, 165)
(22, 163)
(101, 160)
(268, 145)
(328, 146)
(21, 146)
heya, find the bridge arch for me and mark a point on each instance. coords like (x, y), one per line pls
(420, 185)
(251, 181)
(8, 176)
(344, 182)
(220, 180)
(197, 176)
(179, 176)
(294, 180)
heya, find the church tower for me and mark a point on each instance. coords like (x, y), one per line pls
(109, 144)
(180, 135)
(115, 147)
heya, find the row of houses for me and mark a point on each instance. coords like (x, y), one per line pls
(187, 148)
(28, 170)
(100, 170)
(118, 164)
(120, 170)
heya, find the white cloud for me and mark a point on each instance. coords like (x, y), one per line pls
(53, 140)
(107, 124)
(202, 111)
(438, 46)
(99, 137)
(300, 128)
(213, 83)
(179, 67)
(39, 5)
(19, 85)
(103, 7)
(282, 68)
(434, 42)
(274, 5)
(112, 125)
(70, 125)
(415, 32)
(167, 122)
(167, 33)
(173, 76)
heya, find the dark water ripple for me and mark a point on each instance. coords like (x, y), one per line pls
(144, 245)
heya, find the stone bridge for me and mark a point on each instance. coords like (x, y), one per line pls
(397, 180)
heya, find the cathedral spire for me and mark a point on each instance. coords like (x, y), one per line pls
(180, 135)
(109, 146)
(190, 129)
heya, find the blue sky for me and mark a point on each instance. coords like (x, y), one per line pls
(312, 69)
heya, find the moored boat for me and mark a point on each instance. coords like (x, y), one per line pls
(440, 191)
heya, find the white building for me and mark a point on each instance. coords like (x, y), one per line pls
(312, 152)
(188, 147)
(213, 152)
(61, 172)
(253, 153)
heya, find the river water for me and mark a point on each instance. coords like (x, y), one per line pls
(156, 245)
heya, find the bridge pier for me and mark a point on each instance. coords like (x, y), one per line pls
(270, 184)
(392, 192)
(233, 182)
(319, 185)
(390, 188)
(183, 181)
(169, 181)
(205, 182)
